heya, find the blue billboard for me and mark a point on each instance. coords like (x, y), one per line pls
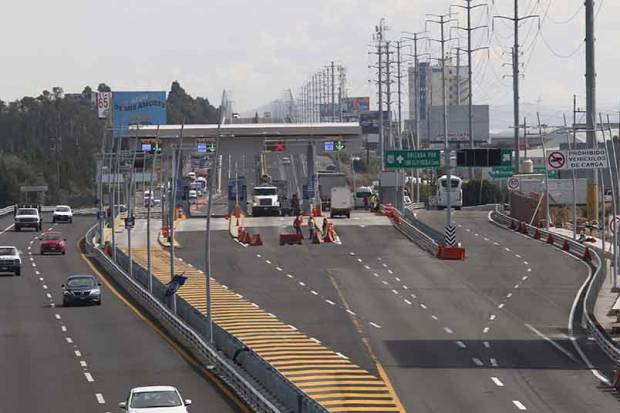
(138, 108)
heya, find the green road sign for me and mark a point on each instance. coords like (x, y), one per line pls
(506, 157)
(339, 146)
(211, 148)
(541, 170)
(502, 172)
(412, 159)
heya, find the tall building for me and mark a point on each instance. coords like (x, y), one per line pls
(430, 93)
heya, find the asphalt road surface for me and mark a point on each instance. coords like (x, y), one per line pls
(453, 336)
(81, 359)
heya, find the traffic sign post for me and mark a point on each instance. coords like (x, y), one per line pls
(412, 159)
(577, 159)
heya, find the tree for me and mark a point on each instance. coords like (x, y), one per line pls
(103, 88)
(182, 108)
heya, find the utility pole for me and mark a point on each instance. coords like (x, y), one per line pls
(516, 19)
(388, 94)
(333, 79)
(379, 34)
(469, 29)
(450, 232)
(591, 106)
(399, 45)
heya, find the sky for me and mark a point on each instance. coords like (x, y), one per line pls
(256, 49)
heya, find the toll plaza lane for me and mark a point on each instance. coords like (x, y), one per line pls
(82, 358)
(438, 328)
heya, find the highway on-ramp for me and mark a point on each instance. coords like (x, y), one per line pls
(451, 336)
(81, 359)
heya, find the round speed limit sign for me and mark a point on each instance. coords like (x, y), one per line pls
(513, 183)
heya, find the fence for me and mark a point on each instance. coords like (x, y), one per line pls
(594, 284)
(263, 388)
(426, 237)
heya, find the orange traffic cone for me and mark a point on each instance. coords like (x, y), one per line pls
(257, 241)
(247, 238)
(316, 238)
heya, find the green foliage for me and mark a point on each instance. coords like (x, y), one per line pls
(182, 108)
(491, 193)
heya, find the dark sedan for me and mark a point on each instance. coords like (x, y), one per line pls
(81, 289)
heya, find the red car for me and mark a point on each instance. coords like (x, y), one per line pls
(52, 242)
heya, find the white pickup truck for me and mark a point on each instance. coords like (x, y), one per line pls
(10, 260)
(27, 217)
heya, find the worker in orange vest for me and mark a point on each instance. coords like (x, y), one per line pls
(299, 219)
(311, 226)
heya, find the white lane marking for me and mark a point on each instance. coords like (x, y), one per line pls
(517, 255)
(550, 341)
(447, 330)
(507, 249)
(40, 278)
(385, 282)
(395, 292)
(413, 296)
(314, 292)
(496, 244)
(100, 398)
(69, 340)
(77, 353)
(487, 344)
(519, 405)
(526, 263)
(508, 295)
(493, 362)
(63, 328)
(423, 306)
(44, 287)
(342, 356)
(405, 287)
(278, 269)
(486, 239)
(461, 344)
(476, 235)
(390, 272)
(258, 255)
(375, 325)
(89, 377)
(529, 270)
(8, 228)
(477, 361)
(57, 316)
(375, 274)
(384, 265)
(497, 381)
(397, 279)
(501, 306)
(359, 260)
(516, 286)
(524, 278)
(492, 317)
(289, 275)
(48, 295)
(434, 317)
(486, 330)
(37, 272)
(352, 253)
(34, 265)
(31, 259)
(330, 302)
(351, 312)
(408, 302)
(268, 262)
(467, 229)
(367, 266)
(83, 363)
(302, 284)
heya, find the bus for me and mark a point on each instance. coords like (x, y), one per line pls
(456, 192)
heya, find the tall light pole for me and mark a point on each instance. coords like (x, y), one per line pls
(591, 105)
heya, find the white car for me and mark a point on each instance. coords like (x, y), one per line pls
(62, 213)
(160, 399)
(10, 260)
(193, 194)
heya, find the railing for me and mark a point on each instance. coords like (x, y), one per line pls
(6, 211)
(206, 354)
(412, 230)
(594, 284)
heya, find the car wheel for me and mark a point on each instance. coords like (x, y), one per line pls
(63, 253)
(18, 272)
(53, 220)
(98, 302)
(17, 229)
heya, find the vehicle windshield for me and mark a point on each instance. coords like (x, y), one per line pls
(53, 237)
(82, 282)
(455, 183)
(27, 211)
(152, 399)
(63, 209)
(8, 251)
(363, 194)
(265, 191)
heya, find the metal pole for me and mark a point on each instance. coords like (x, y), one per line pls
(449, 227)
(176, 160)
(515, 85)
(417, 110)
(380, 83)
(149, 262)
(613, 195)
(547, 207)
(591, 100)
(574, 208)
(388, 95)
(130, 208)
(333, 95)
(399, 45)
(617, 208)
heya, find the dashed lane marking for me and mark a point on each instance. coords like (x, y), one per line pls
(461, 344)
(494, 362)
(519, 405)
(486, 330)
(89, 377)
(497, 382)
(487, 344)
(77, 353)
(477, 362)
(448, 330)
(100, 398)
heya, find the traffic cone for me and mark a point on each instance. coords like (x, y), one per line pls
(237, 221)
(240, 233)
(537, 234)
(257, 242)
(550, 239)
(587, 256)
(248, 238)
(566, 246)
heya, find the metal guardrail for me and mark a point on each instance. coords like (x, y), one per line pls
(245, 386)
(413, 232)
(595, 283)
(6, 211)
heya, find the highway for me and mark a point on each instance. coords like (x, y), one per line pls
(78, 359)
(452, 336)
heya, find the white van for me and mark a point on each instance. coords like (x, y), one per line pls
(361, 193)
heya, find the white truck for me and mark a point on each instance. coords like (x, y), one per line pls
(27, 216)
(341, 202)
(10, 261)
(265, 200)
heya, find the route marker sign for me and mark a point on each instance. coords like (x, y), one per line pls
(577, 159)
(412, 159)
(514, 183)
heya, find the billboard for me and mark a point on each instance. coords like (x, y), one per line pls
(138, 108)
(458, 125)
(104, 101)
(369, 121)
(355, 106)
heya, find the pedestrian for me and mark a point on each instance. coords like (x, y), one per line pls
(325, 224)
(311, 227)
(295, 204)
(297, 225)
